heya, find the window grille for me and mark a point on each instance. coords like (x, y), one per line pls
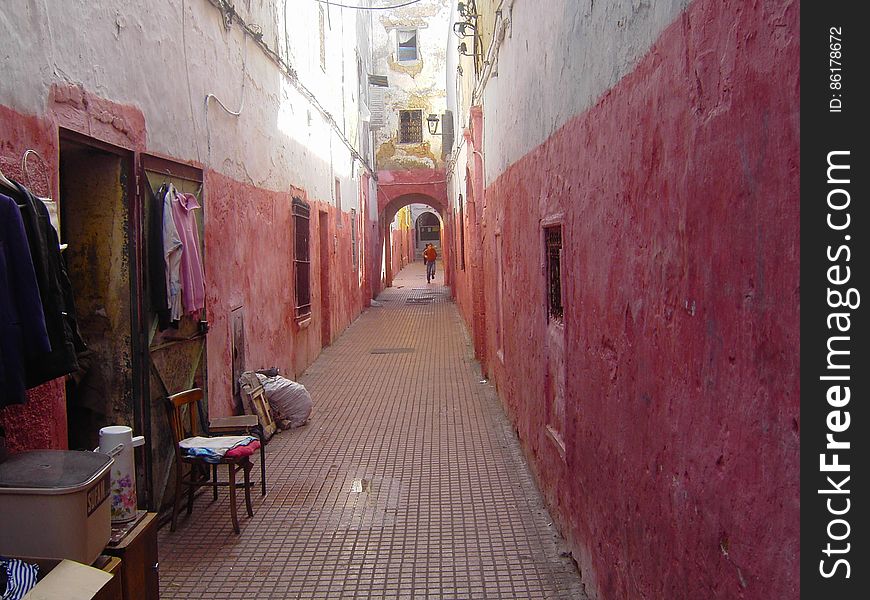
(353, 238)
(302, 256)
(461, 234)
(410, 126)
(553, 245)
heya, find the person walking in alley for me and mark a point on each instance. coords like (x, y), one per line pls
(429, 256)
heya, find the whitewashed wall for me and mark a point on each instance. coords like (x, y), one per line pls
(166, 56)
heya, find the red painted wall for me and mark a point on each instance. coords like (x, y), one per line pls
(41, 422)
(248, 258)
(679, 200)
(249, 262)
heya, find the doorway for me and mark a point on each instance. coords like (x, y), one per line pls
(428, 228)
(99, 251)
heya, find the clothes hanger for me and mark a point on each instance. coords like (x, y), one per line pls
(27, 177)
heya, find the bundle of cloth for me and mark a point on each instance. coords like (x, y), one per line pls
(213, 449)
(290, 401)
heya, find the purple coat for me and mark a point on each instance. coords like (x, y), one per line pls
(22, 324)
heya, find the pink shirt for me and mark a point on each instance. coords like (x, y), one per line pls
(192, 277)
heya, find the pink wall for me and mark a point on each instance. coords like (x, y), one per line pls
(255, 270)
(41, 422)
(678, 199)
(248, 257)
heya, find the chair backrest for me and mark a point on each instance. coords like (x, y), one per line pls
(175, 407)
(255, 402)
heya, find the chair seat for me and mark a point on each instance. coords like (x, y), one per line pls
(215, 449)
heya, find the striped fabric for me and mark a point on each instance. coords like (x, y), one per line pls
(20, 578)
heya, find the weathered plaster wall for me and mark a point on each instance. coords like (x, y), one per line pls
(584, 46)
(412, 85)
(41, 422)
(675, 180)
(140, 79)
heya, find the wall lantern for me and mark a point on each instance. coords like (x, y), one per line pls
(432, 122)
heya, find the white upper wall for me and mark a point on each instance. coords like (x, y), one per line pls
(556, 61)
(165, 57)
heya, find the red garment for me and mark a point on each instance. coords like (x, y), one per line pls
(245, 450)
(430, 253)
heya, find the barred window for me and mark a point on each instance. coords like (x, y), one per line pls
(411, 126)
(353, 239)
(302, 256)
(461, 228)
(553, 247)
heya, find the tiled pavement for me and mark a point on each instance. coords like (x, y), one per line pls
(407, 483)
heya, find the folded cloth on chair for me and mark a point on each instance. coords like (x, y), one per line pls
(213, 449)
(243, 450)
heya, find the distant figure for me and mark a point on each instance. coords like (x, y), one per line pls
(429, 256)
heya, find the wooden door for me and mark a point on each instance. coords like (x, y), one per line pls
(176, 355)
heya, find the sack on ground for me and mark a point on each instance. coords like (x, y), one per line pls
(290, 401)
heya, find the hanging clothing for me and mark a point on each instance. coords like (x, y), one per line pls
(192, 277)
(55, 291)
(157, 292)
(172, 255)
(22, 323)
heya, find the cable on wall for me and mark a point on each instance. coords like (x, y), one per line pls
(230, 15)
(211, 96)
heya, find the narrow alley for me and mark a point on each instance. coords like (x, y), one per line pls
(598, 397)
(408, 482)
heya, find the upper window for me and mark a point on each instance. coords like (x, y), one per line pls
(553, 247)
(302, 257)
(410, 126)
(407, 50)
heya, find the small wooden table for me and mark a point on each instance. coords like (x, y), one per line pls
(137, 549)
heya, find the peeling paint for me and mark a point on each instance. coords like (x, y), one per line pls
(681, 380)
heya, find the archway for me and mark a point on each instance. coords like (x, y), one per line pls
(427, 229)
(436, 211)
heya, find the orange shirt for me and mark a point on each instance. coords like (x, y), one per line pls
(430, 253)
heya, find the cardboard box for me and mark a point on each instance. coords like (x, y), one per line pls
(70, 580)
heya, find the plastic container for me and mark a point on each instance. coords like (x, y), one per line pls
(54, 504)
(118, 442)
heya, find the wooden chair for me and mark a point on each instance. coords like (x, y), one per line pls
(241, 425)
(198, 472)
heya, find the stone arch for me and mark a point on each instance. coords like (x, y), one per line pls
(388, 213)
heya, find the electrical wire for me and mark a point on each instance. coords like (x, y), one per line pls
(230, 14)
(328, 3)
